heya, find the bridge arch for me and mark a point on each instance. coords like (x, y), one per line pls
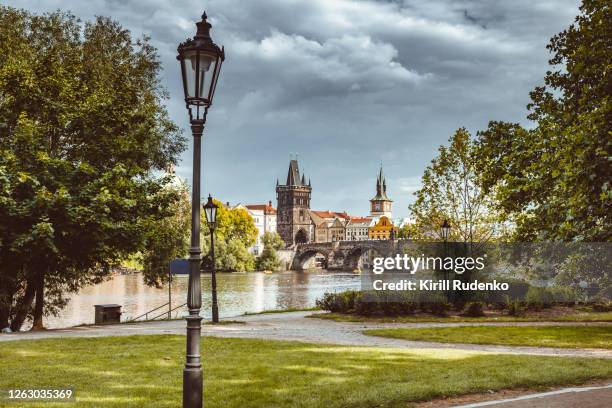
(357, 257)
(311, 259)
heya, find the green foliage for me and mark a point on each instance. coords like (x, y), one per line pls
(451, 190)
(514, 307)
(167, 238)
(474, 309)
(538, 298)
(553, 181)
(408, 231)
(342, 302)
(383, 303)
(268, 260)
(82, 129)
(235, 233)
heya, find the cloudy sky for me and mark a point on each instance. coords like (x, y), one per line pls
(344, 84)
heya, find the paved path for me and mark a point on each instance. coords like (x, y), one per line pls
(583, 397)
(296, 327)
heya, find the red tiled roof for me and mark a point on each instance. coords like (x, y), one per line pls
(360, 219)
(263, 207)
(332, 214)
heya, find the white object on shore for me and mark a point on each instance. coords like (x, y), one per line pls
(6, 330)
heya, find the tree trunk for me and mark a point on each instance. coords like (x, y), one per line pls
(7, 294)
(23, 306)
(38, 306)
(4, 315)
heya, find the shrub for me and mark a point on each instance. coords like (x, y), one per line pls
(474, 309)
(602, 307)
(438, 308)
(342, 302)
(563, 295)
(514, 307)
(538, 298)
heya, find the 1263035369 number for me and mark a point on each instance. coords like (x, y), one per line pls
(37, 394)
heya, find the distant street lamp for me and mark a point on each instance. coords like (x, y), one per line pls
(210, 209)
(200, 61)
(445, 231)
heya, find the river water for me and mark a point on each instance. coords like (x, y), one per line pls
(237, 293)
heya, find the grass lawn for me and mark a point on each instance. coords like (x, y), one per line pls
(541, 336)
(578, 317)
(146, 371)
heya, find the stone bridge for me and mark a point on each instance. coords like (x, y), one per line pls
(342, 255)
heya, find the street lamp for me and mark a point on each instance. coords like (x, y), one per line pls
(200, 61)
(210, 210)
(445, 231)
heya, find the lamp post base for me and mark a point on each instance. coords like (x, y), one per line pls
(192, 388)
(215, 314)
(193, 382)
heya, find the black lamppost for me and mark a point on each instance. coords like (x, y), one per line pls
(210, 209)
(445, 231)
(200, 62)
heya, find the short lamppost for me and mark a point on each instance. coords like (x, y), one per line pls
(200, 61)
(210, 209)
(445, 231)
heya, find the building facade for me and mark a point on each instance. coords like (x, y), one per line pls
(264, 217)
(293, 222)
(357, 228)
(383, 228)
(329, 226)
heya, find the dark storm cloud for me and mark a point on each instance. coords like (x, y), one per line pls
(344, 84)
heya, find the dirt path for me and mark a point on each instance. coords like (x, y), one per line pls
(296, 327)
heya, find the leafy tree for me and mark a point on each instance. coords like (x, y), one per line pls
(554, 181)
(450, 190)
(408, 231)
(235, 233)
(82, 129)
(167, 238)
(268, 260)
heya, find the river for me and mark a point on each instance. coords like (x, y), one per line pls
(237, 293)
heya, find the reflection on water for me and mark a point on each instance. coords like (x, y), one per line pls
(237, 293)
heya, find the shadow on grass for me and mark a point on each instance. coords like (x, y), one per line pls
(147, 371)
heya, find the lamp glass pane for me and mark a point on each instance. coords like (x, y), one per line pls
(213, 214)
(206, 76)
(190, 74)
(191, 64)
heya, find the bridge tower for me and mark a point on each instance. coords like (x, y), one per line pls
(380, 204)
(293, 222)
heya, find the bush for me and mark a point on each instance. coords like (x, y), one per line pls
(438, 308)
(602, 307)
(343, 302)
(514, 307)
(563, 295)
(474, 309)
(538, 298)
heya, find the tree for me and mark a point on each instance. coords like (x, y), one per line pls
(554, 181)
(268, 260)
(235, 233)
(82, 130)
(167, 238)
(408, 231)
(450, 190)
